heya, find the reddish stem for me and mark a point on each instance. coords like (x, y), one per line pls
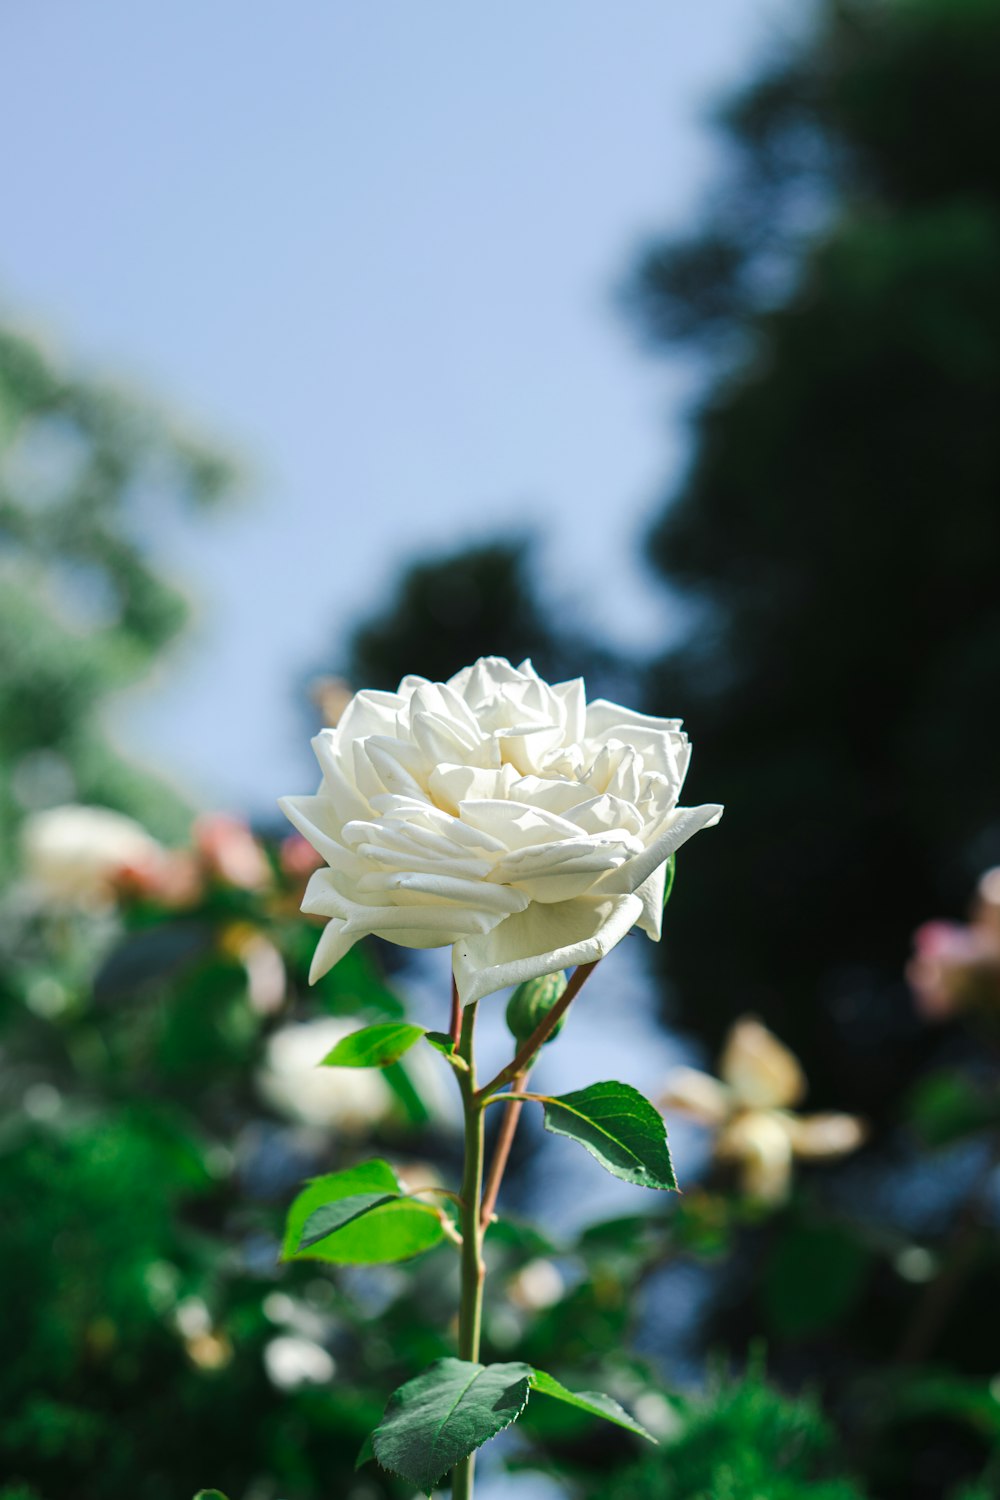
(455, 1025)
(501, 1151)
(525, 1054)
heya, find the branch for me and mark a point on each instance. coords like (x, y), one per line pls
(525, 1054)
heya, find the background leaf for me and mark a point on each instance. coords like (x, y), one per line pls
(395, 1231)
(594, 1402)
(374, 1046)
(333, 1217)
(434, 1421)
(619, 1127)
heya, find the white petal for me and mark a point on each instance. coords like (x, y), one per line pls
(605, 719)
(650, 893)
(682, 824)
(573, 699)
(437, 923)
(607, 814)
(697, 1095)
(450, 785)
(561, 884)
(541, 940)
(555, 796)
(759, 1142)
(332, 946)
(826, 1136)
(367, 713)
(762, 1071)
(412, 888)
(491, 677)
(377, 771)
(316, 820)
(440, 742)
(516, 824)
(417, 816)
(539, 859)
(338, 777)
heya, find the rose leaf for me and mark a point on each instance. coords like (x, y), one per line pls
(619, 1127)
(359, 1217)
(594, 1402)
(374, 1046)
(434, 1421)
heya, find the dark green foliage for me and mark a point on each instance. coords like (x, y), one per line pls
(135, 1347)
(813, 1279)
(620, 1128)
(441, 1416)
(448, 611)
(743, 1441)
(837, 532)
(82, 610)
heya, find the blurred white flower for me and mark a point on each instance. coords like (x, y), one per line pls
(75, 855)
(291, 1081)
(291, 1362)
(537, 1285)
(509, 818)
(750, 1108)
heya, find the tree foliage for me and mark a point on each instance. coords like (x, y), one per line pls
(83, 611)
(838, 529)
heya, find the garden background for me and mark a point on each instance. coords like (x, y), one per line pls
(661, 347)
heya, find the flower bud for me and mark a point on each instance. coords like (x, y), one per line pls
(531, 1003)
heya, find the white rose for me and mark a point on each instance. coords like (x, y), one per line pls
(292, 1082)
(74, 854)
(496, 813)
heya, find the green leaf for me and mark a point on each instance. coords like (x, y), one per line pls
(334, 1216)
(433, 1422)
(210, 1495)
(406, 1093)
(374, 1046)
(593, 1402)
(441, 1042)
(365, 1454)
(619, 1127)
(670, 872)
(395, 1230)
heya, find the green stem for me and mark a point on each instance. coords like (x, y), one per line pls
(470, 1316)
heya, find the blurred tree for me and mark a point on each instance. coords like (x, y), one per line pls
(838, 532)
(82, 611)
(450, 609)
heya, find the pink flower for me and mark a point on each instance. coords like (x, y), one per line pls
(230, 852)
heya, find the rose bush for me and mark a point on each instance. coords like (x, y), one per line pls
(494, 812)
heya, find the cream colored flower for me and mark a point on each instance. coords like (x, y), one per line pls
(349, 1100)
(750, 1108)
(496, 813)
(76, 854)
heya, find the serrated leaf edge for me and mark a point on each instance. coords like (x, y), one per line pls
(526, 1379)
(559, 1101)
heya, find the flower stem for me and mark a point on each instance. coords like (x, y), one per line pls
(525, 1055)
(501, 1150)
(473, 1269)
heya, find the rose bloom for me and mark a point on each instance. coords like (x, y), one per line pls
(76, 855)
(751, 1108)
(494, 812)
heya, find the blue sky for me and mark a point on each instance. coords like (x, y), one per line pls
(372, 246)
